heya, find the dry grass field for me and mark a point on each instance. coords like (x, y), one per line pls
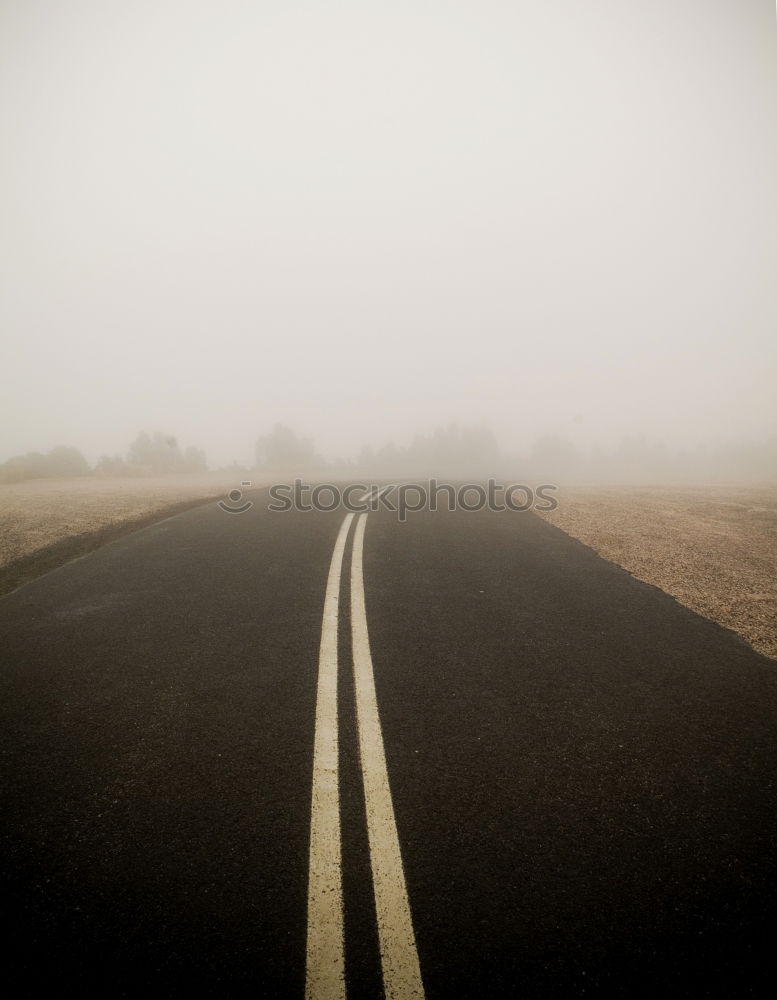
(45, 522)
(713, 548)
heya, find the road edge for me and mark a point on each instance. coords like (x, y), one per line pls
(27, 568)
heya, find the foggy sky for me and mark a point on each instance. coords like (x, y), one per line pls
(368, 219)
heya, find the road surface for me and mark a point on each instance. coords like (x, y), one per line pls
(290, 754)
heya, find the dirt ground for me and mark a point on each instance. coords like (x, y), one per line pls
(45, 522)
(714, 549)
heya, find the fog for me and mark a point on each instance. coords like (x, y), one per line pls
(365, 221)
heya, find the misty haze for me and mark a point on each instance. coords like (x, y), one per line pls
(366, 224)
(351, 751)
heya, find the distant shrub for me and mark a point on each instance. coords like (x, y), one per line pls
(160, 454)
(282, 451)
(112, 465)
(59, 463)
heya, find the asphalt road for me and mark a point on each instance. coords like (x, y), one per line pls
(581, 771)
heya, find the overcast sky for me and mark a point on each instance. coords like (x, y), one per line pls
(368, 219)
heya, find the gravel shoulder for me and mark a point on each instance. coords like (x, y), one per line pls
(714, 549)
(46, 522)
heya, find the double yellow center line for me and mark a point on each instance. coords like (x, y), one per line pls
(325, 960)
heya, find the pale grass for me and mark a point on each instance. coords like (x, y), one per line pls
(712, 548)
(41, 512)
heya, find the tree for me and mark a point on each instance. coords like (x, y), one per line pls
(158, 454)
(282, 451)
(59, 463)
(111, 465)
(64, 461)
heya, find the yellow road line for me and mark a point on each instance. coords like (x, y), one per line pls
(325, 961)
(398, 952)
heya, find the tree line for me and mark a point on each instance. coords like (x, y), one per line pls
(447, 451)
(452, 451)
(148, 455)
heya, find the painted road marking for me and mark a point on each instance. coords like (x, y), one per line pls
(325, 959)
(398, 952)
(375, 492)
